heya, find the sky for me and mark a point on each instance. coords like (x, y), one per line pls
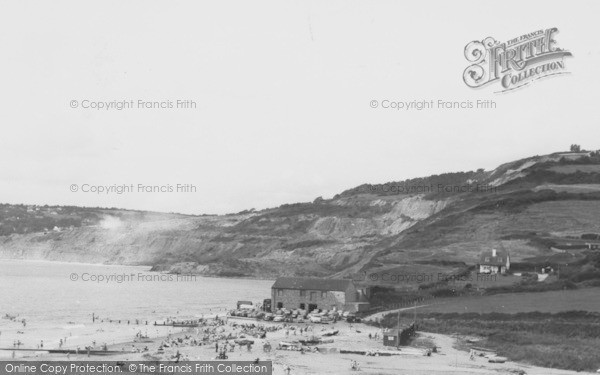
(283, 93)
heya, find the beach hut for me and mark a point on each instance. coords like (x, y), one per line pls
(391, 337)
(398, 336)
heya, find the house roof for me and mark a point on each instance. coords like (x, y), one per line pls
(488, 259)
(306, 283)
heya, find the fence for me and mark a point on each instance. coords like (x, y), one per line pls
(425, 300)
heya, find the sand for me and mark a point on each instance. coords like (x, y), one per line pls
(447, 360)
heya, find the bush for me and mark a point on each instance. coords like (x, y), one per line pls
(528, 278)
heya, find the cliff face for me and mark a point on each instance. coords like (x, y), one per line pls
(311, 239)
(525, 206)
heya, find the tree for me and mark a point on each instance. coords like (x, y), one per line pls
(575, 148)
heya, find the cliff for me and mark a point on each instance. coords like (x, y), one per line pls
(435, 223)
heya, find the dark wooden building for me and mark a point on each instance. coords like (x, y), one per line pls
(398, 337)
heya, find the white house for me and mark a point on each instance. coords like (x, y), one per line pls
(493, 261)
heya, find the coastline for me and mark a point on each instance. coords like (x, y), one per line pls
(148, 268)
(42, 261)
(329, 360)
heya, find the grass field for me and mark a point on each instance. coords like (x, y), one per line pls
(576, 188)
(585, 168)
(551, 302)
(542, 340)
(524, 327)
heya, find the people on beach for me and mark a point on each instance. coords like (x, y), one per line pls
(208, 332)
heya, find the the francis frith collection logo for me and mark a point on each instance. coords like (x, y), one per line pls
(515, 63)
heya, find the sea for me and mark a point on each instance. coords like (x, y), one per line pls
(52, 300)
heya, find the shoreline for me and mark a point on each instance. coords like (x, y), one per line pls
(329, 361)
(69, 263)
(149, 270)
(81, 331)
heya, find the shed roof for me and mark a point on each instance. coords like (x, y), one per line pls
(394, 331)
(306, 283)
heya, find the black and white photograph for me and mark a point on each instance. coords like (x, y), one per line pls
(299, 187)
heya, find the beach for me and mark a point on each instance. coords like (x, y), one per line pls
(121, 317)
(199, 343)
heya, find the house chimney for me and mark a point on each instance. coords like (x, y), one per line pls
(493, 252)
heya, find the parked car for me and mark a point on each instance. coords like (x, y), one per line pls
(314, 319)
(278, 318)
(351, 318)
(268, 317)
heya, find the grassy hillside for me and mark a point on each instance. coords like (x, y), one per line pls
(566, 340)
(531, 207)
